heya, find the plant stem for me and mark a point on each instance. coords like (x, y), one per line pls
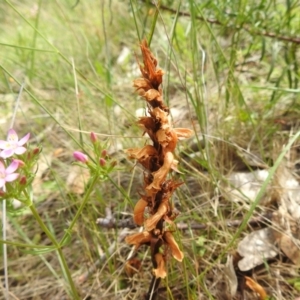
(153, 289)
(58, 247)
(80, 209)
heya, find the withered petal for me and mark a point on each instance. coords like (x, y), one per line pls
(147, 122)
(160, 115)
(151, 222)
(167, 138)
(169, 238)
(173, 141)
(149, 70)
(160, 271)
(152, 94)
(162, 137)
(142, 83)
(141, 153)
(160, 175)
(183, 132)
(145, 156)
(138, 213)
(139, 238)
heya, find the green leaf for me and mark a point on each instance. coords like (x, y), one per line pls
(39, 251)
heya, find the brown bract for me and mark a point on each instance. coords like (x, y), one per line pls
(143, 155)
(160, 270)
(160, 175)
(138, 213)
(183, 132)
(169, 238)
(139, 239)
(151, 222)
(158, 161)
(149, 70)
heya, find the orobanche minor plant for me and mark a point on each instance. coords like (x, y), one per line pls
(154, 210)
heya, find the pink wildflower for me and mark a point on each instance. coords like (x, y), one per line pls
(80, 157)
(13, 145)
(8, 175)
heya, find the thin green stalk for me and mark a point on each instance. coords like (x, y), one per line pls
(43, 226)
(80, 209)
(135, 21)
(27, 48)
(58, 248)
(21, 245)
(121, 190)
(77, 102)
(29, 245)
(153, 23)
(170, 52)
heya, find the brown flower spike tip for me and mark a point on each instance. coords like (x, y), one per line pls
(158, 160)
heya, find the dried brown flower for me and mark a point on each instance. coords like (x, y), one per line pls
(160, 175)
(151, 222)
(160, 270)
(158, 161)
(139, 239)
(169, 238)
(138, 213)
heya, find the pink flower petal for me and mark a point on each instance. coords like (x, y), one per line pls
(12, 135)
(24, 140)
(20, 162)
(2, 182)
(80, 156)
(3, 144)
(7, 153)
(20, 150)
(12, 167)
(11, 177)
(2, 168)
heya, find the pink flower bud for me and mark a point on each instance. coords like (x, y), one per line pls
(36, 151)
(2, 193)
(93, 137)
(104, 153)
(79, 156)
(102, 162)
(23, 180)
(33, 153)
(20, 163)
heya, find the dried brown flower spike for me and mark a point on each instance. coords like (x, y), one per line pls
(158, 161)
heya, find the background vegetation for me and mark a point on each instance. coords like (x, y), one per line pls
(231, 74)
